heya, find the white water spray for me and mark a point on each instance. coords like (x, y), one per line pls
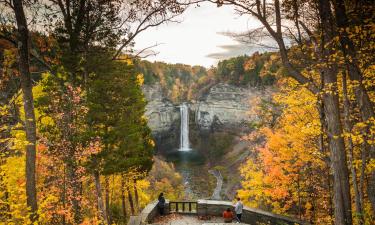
(184, 131)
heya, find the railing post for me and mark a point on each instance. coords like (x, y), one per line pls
(182, 206)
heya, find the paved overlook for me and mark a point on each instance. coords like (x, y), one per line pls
(206, 212)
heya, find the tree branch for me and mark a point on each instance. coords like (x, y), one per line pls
(142, 27)
(33, 52)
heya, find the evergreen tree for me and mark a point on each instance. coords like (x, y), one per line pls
(116, 106)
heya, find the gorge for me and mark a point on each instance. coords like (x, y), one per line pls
(222, 113)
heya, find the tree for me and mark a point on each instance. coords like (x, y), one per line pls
(352, 61)
(116, 118)
(30, 123)
(288, 173)
(62, 105)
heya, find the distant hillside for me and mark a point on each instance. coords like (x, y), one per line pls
(254, 71)
(182, 82)
(179, 82)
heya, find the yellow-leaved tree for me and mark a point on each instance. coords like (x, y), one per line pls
(288, 174)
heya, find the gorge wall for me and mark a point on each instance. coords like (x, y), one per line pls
(160, 111)
(224, 106)
(163, 117)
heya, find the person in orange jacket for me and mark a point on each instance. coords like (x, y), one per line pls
(228, 215)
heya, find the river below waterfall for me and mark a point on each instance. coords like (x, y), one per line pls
(190, 163)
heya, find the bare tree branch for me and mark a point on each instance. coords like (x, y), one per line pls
(155, 17)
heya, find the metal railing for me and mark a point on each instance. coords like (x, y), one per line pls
(183, 207)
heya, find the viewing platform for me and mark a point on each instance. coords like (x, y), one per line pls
(206, 212)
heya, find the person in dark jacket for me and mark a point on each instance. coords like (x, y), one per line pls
(161, 203)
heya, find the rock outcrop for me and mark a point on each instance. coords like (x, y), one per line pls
(161, 112)
(225, 106)
(163, 118)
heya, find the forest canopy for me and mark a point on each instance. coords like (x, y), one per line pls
(184, 82)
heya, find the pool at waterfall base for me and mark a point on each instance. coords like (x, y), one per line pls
(190, 163)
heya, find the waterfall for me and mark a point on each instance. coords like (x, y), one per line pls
(184, 130)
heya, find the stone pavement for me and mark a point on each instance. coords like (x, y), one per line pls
(178, 219)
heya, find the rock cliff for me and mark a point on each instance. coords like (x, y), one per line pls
(161, 113)
(163, 117)
(222, 107)
(225, 106)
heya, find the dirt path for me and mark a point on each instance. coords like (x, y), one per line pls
(219, 184)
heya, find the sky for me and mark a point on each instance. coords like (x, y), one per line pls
(197, 39)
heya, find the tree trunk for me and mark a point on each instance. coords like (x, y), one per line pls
(136, 195)
(106, 183)
(75, 186)
(329, 183)
(299, 199)
(355, 74)
(123, 199)
(28, 104)
(130, 197)
(323, 150)
(313, 211)
(348, 129)
(338, 157)
(63, 196)
(341, 185)
(330, 99)
(102, 211)
(363, 173)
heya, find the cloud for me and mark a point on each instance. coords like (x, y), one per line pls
(230, 51)
(241, 48)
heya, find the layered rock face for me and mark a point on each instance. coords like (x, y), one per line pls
(163, 118)
(161, 113)
(225, 106)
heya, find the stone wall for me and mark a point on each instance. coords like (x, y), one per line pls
(216, 208)
(249, 216)
(148, 214)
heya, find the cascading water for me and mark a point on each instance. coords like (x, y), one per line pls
(184, 131)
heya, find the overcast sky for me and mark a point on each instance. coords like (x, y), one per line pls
(197, 39)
